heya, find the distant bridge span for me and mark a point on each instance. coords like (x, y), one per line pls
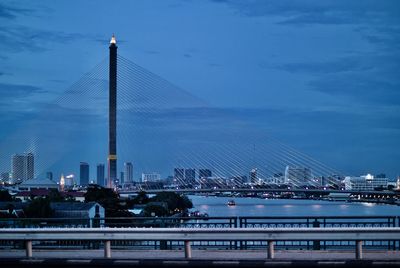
(264, 190)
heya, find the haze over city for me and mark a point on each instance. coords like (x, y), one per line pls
(321, 77)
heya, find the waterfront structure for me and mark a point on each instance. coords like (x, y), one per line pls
(112, 131)
(204, 173)
(84, 174)
(277, 178)
(237, 180)
(100, 174)
(213, 182)
(151, 177)
(298, 176)
(365, 183)
(22, 167)
(128, 172)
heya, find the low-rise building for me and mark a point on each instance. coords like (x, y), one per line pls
(151, 177)
(365, 183)
(88, 212)
(37, 184)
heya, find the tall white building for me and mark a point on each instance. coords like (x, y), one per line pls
(128, 172)
(22, 167)
(364, 183)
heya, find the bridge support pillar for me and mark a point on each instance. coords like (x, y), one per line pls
(270, 252)
(107, 249)
(188, 250)
(28, 248)
(359, 254)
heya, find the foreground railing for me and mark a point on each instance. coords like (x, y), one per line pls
(153, 222)
(188, 235)
(211, 222)
(323, 222)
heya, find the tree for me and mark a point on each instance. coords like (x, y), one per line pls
(39, 208)
(175, 201)
(141, 198)
(5, 195)
(155, 210)
(96, 193)
(108, 199)
(55, 196)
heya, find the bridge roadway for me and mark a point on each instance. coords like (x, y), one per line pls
(200, 258)
(267, 190)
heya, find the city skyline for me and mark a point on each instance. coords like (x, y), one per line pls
(314, 96)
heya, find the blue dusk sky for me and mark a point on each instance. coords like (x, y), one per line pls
(321, 77)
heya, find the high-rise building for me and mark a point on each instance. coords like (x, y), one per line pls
(179, 175)
(253, 176)
(30, 166)
(128, 172)
(121, 177)
(100, 175)
(22, 167)
(112, 138)
(298, 176)
(190, 176)
(84, 174)
(205, 173)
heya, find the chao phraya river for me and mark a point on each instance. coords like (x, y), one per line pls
(245, 206)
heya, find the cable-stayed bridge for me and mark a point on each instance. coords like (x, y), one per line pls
(162, 129)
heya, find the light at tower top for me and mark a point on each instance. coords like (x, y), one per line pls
(113, 40)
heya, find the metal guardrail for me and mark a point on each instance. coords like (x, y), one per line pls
(213, 222)
(188, 235)
(323, 222)
(154, 222)
(207, 222)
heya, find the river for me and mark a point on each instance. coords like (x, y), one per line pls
(245, 206)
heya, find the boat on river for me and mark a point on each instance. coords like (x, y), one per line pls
(231, 203)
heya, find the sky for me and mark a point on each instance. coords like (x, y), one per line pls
(319, 76)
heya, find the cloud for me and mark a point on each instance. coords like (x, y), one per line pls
(9, 12)
(15, 91)
(18, 38)
(360, 88)
(21, 38)
(362, 78)
(240, 119)
(300, 12)
(213, 64)
(152, 52)
(340, 65)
